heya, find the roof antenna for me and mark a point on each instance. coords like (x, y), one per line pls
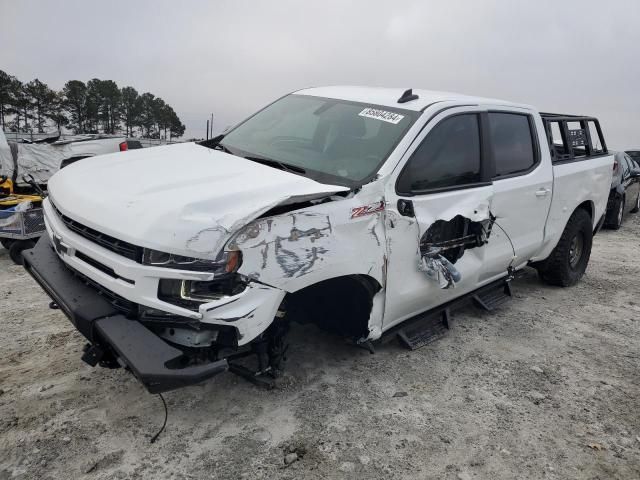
(407, 96)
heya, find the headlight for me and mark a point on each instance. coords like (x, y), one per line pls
(227, 262)
(190, 293)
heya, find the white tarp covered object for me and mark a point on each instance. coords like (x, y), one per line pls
(41, 160)
(6, 159)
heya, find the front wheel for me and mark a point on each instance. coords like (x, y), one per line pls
(6, 242)
(568, 261)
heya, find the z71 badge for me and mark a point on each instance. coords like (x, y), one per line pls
(367, 209)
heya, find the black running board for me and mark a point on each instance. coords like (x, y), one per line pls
(425, 329)
(492, 296)
(433, 324)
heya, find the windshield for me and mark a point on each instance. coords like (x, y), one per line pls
(332, 141)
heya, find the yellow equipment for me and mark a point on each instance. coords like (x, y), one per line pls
(21, 219)
(6, 185)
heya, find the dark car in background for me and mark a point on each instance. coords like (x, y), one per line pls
(635, 155)
(625, 190)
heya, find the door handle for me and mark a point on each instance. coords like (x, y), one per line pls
(543, 192)
(405, 208)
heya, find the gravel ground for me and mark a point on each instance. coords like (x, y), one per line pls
(546, 387)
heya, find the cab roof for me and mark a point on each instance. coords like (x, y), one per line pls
(389, 97)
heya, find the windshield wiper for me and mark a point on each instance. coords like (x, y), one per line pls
(216, 144)
(222, 148)
(276, 164)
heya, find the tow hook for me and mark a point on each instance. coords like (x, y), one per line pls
(92, 354)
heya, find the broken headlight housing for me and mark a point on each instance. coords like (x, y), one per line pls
(227, 261)
(191, 294)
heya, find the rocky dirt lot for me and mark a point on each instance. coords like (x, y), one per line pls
(547, 387)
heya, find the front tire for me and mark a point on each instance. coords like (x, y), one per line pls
(568, 261)
(6, 242)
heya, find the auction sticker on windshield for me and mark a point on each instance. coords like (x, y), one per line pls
(383, 115)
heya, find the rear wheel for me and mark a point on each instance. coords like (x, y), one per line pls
(568, 261)
(617, 214)
(637, 207)
(15, 251)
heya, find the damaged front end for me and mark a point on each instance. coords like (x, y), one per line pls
(165, 351)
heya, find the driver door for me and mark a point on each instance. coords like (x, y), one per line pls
(442, 191)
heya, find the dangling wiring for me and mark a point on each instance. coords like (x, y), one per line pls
(166, 414)
(510, 269)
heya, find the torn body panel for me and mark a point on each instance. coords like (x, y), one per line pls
(445, 242)
(440, 270)
(309, 247)
(297, 249)
(250, 312)
(447, 228)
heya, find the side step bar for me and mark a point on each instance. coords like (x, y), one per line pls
(491, 297)
(425, 330)
(432, 325)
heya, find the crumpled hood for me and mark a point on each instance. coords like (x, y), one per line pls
(185, 199)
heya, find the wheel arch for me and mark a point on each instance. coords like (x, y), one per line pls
(340, 304)
(588, 207)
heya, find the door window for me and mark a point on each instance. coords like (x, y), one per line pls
(512, 142)
(448, 157)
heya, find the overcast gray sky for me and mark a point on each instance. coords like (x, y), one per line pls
(230, 58)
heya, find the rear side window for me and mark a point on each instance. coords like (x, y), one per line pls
(449, 156)
(512, 143)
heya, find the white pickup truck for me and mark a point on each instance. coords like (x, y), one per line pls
(367, 211)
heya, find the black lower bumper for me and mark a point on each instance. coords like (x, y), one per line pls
(134, 345)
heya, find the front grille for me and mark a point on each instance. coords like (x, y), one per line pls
(128, 250)
(127, 307)
(99, 266)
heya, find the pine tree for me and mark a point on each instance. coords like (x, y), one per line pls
(97, 106)
(74, 96)
(41, 99)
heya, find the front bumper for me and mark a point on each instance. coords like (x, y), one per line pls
(149, 358)
(249, 313)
